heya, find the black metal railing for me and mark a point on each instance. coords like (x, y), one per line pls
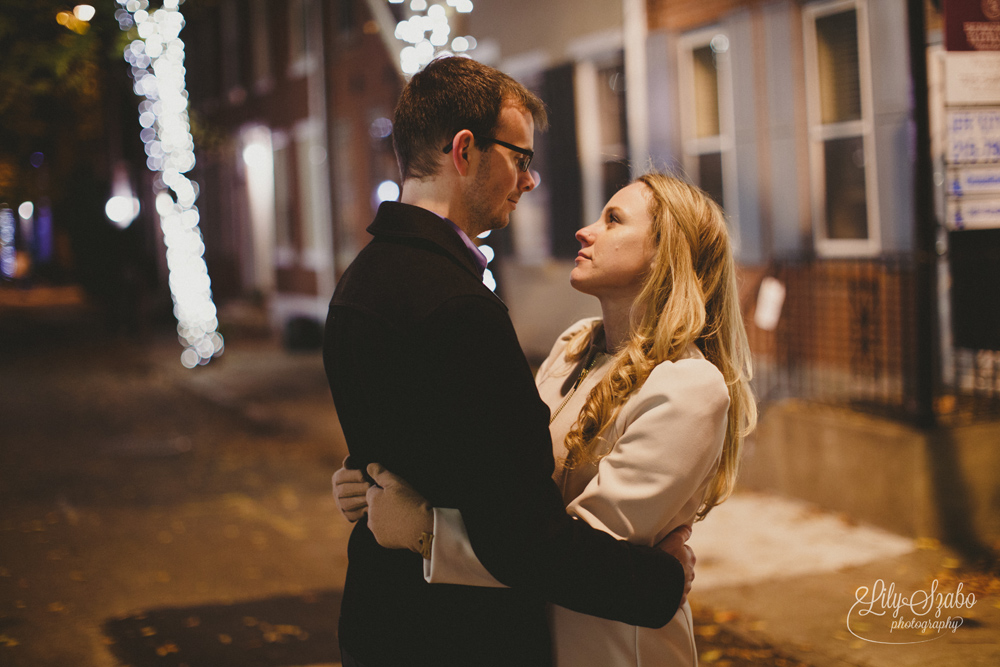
(846, 336)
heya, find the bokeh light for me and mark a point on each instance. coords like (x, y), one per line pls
(157, 60)
(387, 191)
(122, 210)
(84, 12)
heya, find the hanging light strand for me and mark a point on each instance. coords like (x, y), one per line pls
(157, 60)
(428, 33)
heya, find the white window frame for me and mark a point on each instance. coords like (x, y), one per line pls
(820, 132)
(693, 146)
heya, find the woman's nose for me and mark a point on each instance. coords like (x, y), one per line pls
(585, 235)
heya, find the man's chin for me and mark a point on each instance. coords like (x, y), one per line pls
(500, 222)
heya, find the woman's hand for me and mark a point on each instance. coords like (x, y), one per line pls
(397, 514)
(675, 544)
(349, 489)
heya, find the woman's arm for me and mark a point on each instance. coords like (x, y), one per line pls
(653, 479)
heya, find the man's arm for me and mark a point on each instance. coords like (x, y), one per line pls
(498, 466)
(400, 519)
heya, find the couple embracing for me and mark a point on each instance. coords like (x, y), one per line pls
(527, 520)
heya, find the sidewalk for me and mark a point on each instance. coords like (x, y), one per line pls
(775, 572)
(782, 573)
(775, 576)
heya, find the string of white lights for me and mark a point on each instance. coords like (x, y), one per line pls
(157, 60)
(423, 48)
(431, 19)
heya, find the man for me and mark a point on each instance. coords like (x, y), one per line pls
(429, 380)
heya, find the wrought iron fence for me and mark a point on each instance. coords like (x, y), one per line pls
(846, 336)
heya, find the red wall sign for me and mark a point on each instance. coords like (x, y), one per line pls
(972, 25)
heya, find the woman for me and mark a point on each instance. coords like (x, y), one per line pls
(650, 404)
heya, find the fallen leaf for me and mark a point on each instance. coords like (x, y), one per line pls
(706, 630)
(57, 606)
(725, 616)
(225, 639)
(8, 642)
(147, 631)
(710, 656)
(166, 649)
(192, 622)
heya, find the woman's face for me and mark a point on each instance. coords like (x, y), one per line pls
(616, 251)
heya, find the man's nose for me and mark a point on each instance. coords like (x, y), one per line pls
(528, 181)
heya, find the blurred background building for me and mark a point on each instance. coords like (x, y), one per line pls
(869, 255)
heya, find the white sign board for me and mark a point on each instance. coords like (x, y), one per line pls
(974, 181)
(972, 77)
(974, 136)
(974, 213)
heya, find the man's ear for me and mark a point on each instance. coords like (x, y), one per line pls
(461, 144)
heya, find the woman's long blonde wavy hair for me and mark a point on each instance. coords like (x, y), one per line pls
(689, 296)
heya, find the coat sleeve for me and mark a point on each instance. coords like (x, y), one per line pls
(452, 559)
(669, 448)
(492, 426)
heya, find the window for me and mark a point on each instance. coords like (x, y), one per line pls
(841, 145)
(299, 41)
(707, 116)
(602, 131)
(310, 165)
(232, 52)
(259, 32)
(283, 212)
(614, 131)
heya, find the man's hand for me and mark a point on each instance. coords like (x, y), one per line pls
(397, 514)
(675, 544)
(349, 489)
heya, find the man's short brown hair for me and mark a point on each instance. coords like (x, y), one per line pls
(453, 94)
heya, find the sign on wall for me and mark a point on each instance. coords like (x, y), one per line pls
(973, 158)
(972, 25)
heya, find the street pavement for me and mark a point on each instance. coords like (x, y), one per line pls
(154, 515)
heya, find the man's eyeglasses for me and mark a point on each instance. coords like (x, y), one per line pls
(523, 162)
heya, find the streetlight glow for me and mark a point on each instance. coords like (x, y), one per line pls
(84, 12)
